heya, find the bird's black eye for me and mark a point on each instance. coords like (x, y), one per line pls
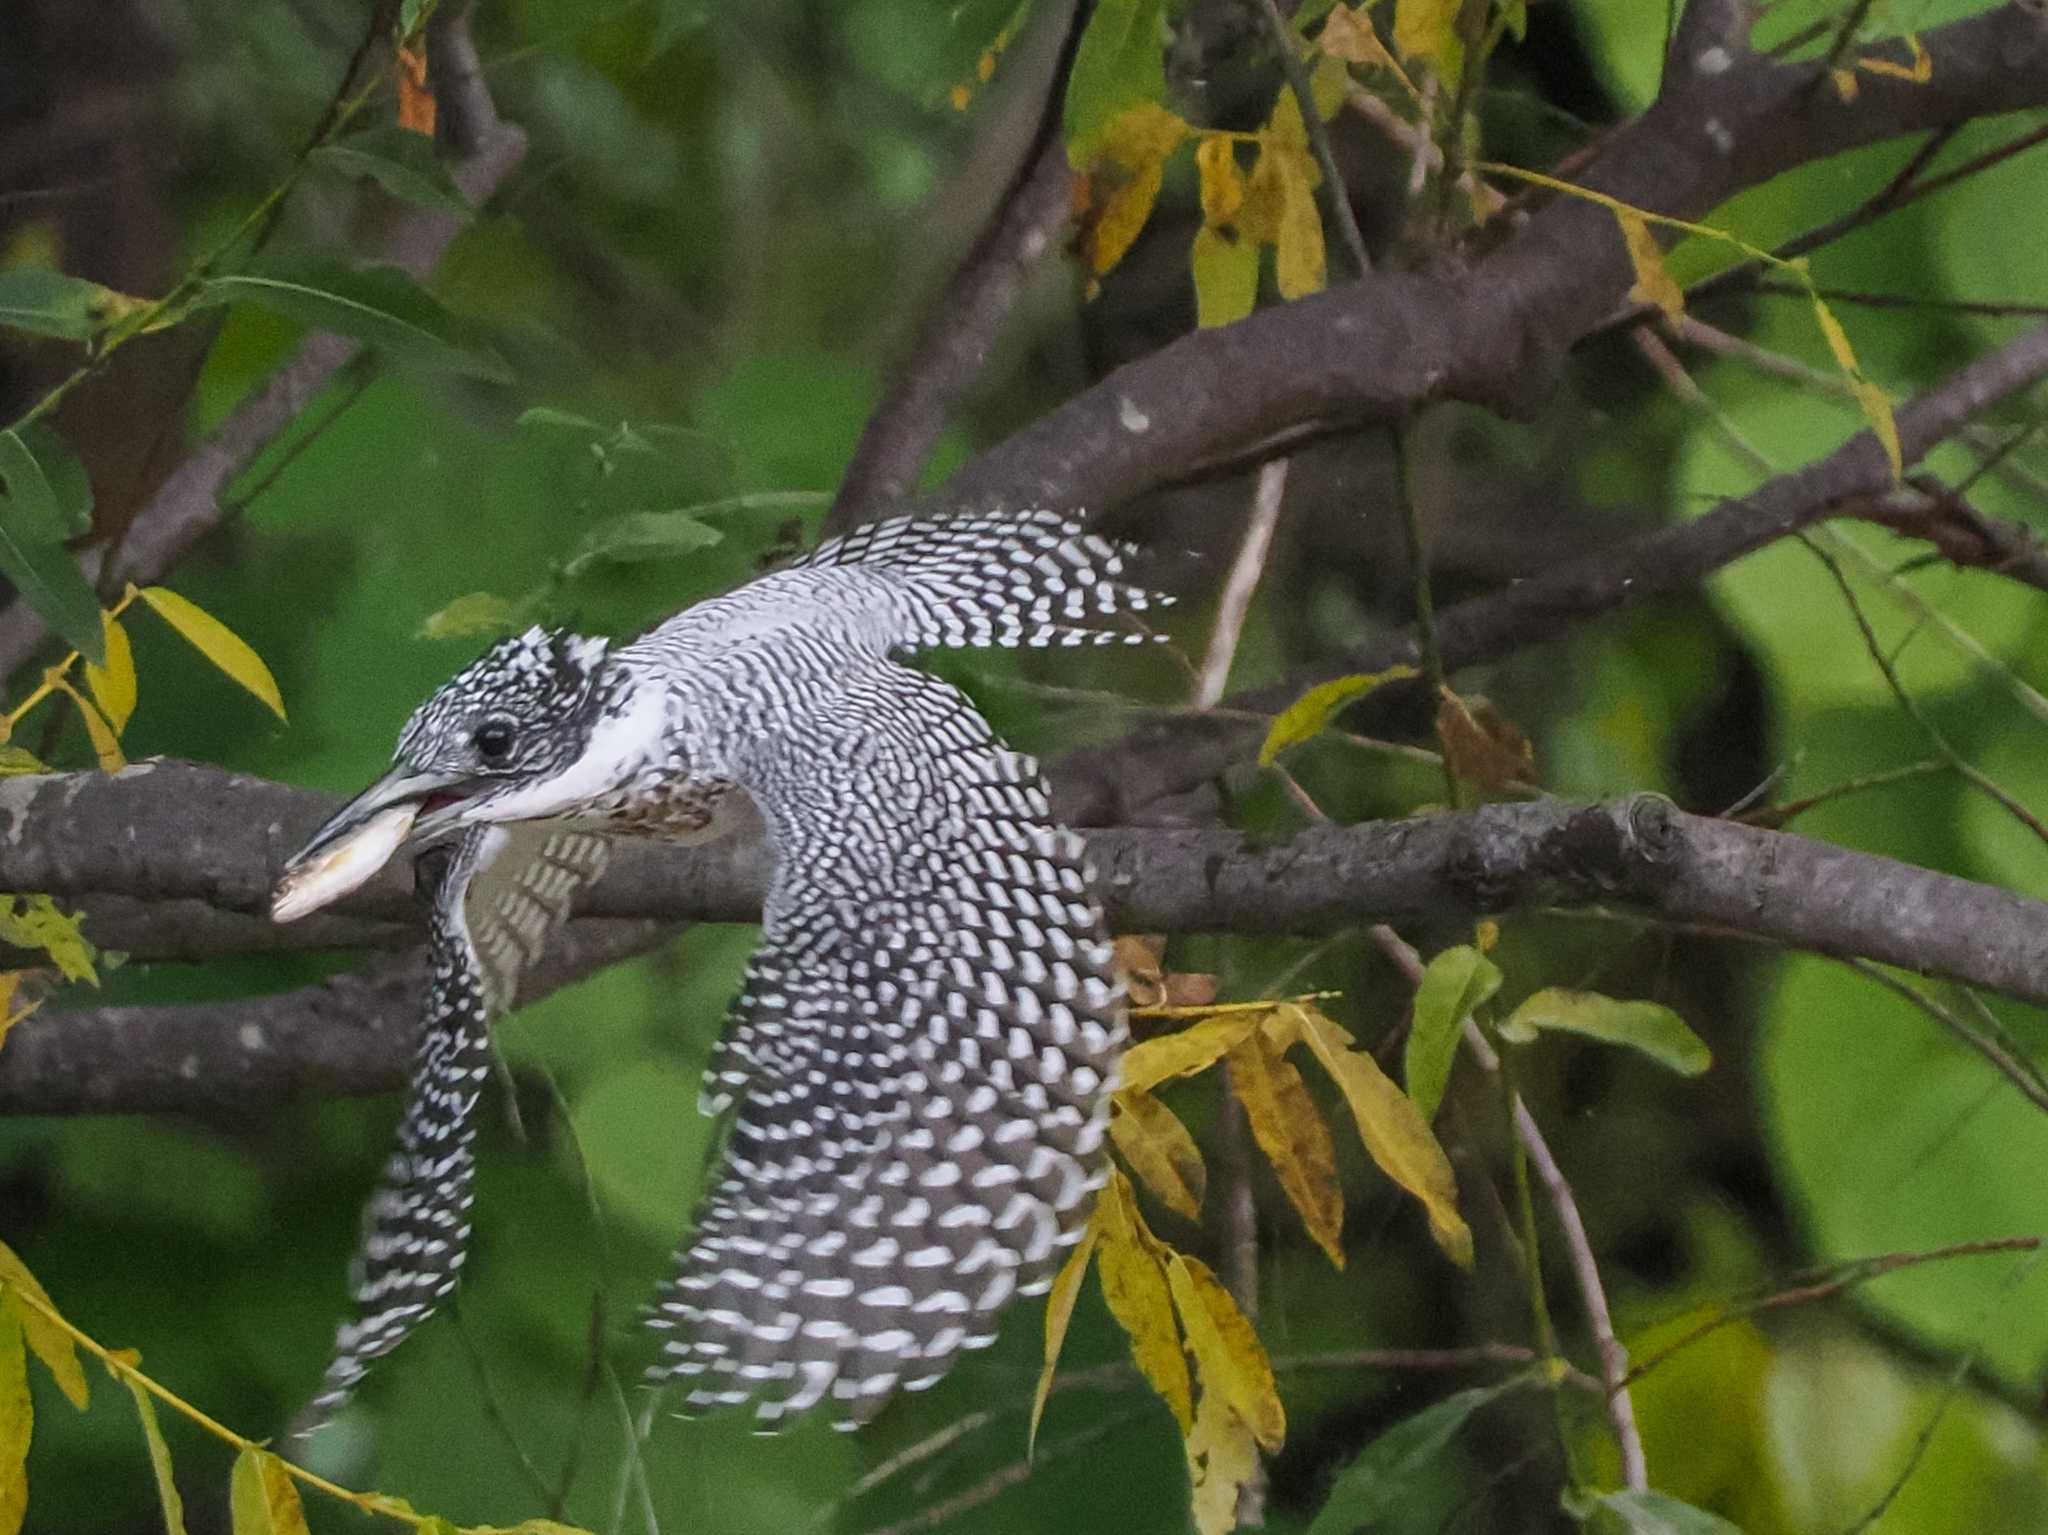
(493, 741)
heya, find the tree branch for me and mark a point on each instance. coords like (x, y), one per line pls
(175, 832)
(188, 505)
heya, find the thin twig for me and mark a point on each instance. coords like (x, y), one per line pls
(999, 1481)
(2009, 1066)
(1241, 584)
(494, 1407)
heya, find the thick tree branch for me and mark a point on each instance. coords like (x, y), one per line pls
(485, 150)
(182, 833)
(1116, 783)
(1497, 334)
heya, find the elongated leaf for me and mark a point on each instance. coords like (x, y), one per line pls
(1223, 1458)
(1307, 716)
(1118, 63)
(1222, 182)
(400, 161)
(1134, 1284)
(641, 536)
(1428, 29)
(1300, 263)
(46, 1339)
(1875, 404)
(17, 1416)
(471, 613)
(106, 746)
(1227, 1349)
(1289, 1129)
(218, 643)
(1654, 283)
(1157, 1147)
(173, 1506)
(1189, 1050)
(1225, 268)
(51, 476)
(1656, 1031)
(49, 303)
(1455, 982)
(381, 307)
(1386, 1474)
(262, 1497)
(33, 525)
(1059, 1311)
(1658, 1513)
(36, 922)
(113, 685)
(1395, 1134)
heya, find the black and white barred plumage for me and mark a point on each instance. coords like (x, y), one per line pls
(918, 1064)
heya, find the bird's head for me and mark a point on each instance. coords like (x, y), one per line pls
(510, 737)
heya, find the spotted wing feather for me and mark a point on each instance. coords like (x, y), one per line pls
(930, 1034)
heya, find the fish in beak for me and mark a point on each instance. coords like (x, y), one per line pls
(360, 838)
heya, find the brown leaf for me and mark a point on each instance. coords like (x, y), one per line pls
(1289, 1129)
(1479, 745)
(1156, 1146)
(416, 107)
(1140, 958)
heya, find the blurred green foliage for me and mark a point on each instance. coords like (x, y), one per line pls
(722, 236)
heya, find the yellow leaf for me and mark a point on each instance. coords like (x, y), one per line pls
(10, 1015)
(1185, 1052)
(1157, 1147)
(1428, 29)
(51, 1343)
(1222, 181)
(113, 686)
(1290, 1131)
(105, 747)
(261, 1496)
(1233, 1362)
(1258, 216)
(1479, 745)
(1123, 217)
(15, 760)
(1875, 404)
(1654, 283)
(1134, 1284)
(1222, 1460)
(1300, 267)
(1348, 35)
(17, 1417)
(35, 922)
(1329, 87)
(1307, 715)
(1919, 68)
(1845, 84)
(218, 643)
(1225, 268)
(1394, 1132)
(1286, 128)
(159, 1457)
(1144, 134)
(1059, 1311)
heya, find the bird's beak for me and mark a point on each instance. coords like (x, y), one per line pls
(359, 839)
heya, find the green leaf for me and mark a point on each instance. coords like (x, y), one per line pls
(641, 536)
(262, 1497)
(159, 1457)
(379, 306)
(1456, 981)
(217, 642)
(471, 613)
(1308, 714)
(1656, 1031)
(49, 1342)
(547, 416)
(1226, 273)
(1385, 1476)
(1118, 64)
(48, 303)
(400, 161)
(1658, 1513)
(39, 509)
(17, 1416)
(35, 922)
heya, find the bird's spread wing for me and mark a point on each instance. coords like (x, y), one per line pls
(1014, 578)
(920, 1056)
(494, 895)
